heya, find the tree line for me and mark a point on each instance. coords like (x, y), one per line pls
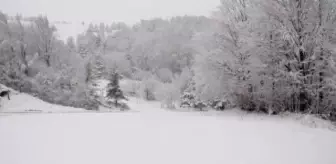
(267, 56)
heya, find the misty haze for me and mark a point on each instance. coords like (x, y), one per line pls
(167, 81)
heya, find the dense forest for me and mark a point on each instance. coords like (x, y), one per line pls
(269, 56)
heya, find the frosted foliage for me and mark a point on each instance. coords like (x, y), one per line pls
(142, 75)
(165, 75)
(209, 80)
(113, 90)
(267, 56)
(45, 31)
(168, 95)
(183, 80)
(117, 61)
(296, 52)
(71, 43)
(148, 88)
(131, 87)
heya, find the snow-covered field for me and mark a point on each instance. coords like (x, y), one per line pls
(156, 136)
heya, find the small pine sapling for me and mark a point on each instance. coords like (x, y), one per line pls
(113, 89)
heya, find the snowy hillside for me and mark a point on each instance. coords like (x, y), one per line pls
(21, 102)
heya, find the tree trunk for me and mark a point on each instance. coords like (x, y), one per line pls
(47, 59)
(302, 96)
(321, 74)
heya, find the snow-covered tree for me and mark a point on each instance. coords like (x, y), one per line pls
(45, 31)
(297, 48)
(81, 44)
(183, 80)
(187, 100)
(235, 38)
(98, 67)
(113, 89)
(148, 88)
(168, 95)
(165, 75)
(12, 60)
(71, 43)
(224, 54)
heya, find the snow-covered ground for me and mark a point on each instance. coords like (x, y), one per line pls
(156, 136)
(21, 102)
(27, 103)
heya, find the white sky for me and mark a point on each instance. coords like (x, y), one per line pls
(129, 11)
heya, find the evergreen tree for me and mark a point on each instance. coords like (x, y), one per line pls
(71, 43)
(187, 99)
(98, 67)
(88, 72)
(113, 89)
(188, 96)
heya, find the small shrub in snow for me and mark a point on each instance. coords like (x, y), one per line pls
(187, 100)
(165, 75)
(111, 105)
(130, 87)
(245, 102)
(124, 106)
(148, 88)
(200, 105)
(219, 104)
(168, 95)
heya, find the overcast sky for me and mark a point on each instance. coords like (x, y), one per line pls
(129, 11)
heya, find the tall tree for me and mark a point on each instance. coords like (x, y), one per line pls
(45, 31)
(113, 89)
(302, 48)
(226, 51)
(71, 43)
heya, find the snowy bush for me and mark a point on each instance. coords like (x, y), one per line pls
(165, 75)
(131, 87)
(182, 81)
(187, 100)
(118, 62)
(142, 75)
(81, 98)
(200, 105)
(168, 95)
(245, 102)
(219, 104)
(121, 105)
(148, 88)
(190, 100)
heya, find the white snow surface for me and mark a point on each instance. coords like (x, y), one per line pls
(152, 135)
(27, 103)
